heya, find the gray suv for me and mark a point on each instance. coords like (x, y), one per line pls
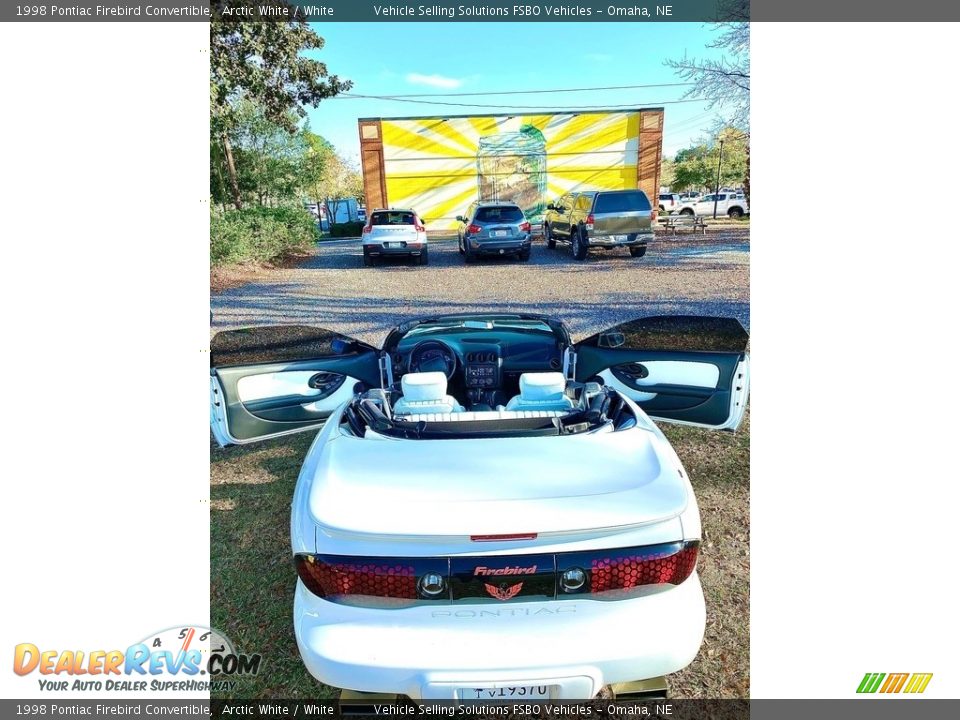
(603, 219)
(493, 228)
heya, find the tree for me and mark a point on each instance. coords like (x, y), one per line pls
(666, 173)
(319, 158)
(696, 166)
(340, 181)
(724, 83)
(262, 62)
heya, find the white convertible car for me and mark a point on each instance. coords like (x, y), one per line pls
(489, 510)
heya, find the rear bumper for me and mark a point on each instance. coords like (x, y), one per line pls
(510, 246)
(574, 646)
(375, 249)
(619, 240)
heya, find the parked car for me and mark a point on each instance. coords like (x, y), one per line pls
(482, 483)
(731, 204)
(493, 228)
(604, 219)
(394, 232)
(669, 202)
(361, 214)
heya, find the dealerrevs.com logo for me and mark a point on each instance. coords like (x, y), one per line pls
(182, 659)
(910, 683)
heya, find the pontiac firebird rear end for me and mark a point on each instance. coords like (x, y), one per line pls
(539, 567)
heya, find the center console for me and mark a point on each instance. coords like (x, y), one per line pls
(482, 375)
(482, 369)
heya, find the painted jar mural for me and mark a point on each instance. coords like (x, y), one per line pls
(513, 166)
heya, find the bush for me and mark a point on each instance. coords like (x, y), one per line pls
(259, 234)
(347, 229)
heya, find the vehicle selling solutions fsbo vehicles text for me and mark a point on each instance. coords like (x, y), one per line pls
(481, 11)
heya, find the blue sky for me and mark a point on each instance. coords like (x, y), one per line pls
(413, 58)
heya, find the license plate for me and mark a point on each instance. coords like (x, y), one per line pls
(619, 238)
(499, 233)
(506, 692)
(392, 244)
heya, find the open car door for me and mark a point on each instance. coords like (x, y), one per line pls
(271, 381)
(684, 369)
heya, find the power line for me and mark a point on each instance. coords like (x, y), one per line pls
(551, 108)
(534, 92)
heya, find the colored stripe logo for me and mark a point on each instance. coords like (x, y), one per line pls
(894, 683)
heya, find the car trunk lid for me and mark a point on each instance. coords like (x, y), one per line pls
(621, 213)
(486, 487)
(387, 233)
(499, 223)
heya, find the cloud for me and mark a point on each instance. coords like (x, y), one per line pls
(437, 81)
(598, 57)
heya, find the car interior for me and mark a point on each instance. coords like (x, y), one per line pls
(457, 375)
(478, 378)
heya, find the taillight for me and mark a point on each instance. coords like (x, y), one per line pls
(418, 225)
(524, 227)
(653, 215)
(473, 229)
(500, 538)
(404, 582)
(630, 569)
(589, 222)
(331, 579)
(375, 582)
(367, 229)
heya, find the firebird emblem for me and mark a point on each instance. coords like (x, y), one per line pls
(503, 592)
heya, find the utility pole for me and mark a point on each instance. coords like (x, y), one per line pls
(716, 191)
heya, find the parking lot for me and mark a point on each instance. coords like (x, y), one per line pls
(682, 274)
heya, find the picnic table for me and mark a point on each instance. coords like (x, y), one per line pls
(672, 222)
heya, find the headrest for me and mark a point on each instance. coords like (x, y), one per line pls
(421, 387)
(542, 386)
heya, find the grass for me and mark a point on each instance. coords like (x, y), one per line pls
(252, 576)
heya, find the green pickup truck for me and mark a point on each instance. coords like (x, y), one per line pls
(604, 219)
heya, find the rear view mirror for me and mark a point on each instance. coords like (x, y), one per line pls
(342, 346)
(551, 206)
(611, 339)
(461, 218)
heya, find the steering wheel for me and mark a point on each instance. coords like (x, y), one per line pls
(433, 356)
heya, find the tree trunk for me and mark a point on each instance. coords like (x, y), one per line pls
(221, 183)
(232, 172)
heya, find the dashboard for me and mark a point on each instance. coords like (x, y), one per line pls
(485, 360)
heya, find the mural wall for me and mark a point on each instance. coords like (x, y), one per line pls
(438, 166)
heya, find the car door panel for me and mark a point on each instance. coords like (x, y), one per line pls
(281, 380)
(658, 363)
(644, 380)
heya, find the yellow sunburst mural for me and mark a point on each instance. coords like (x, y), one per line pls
(438, 166)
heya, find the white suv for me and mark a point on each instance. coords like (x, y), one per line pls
(731, 204)
(668, 202)
(394, 232)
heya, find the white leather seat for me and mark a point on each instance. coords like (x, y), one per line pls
(425, 393)
(541, 391)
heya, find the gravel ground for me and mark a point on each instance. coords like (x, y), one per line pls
(683, 274)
